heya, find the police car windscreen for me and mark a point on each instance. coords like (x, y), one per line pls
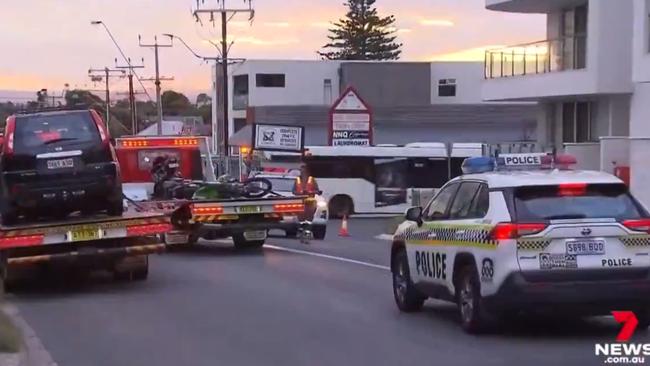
(589, 201)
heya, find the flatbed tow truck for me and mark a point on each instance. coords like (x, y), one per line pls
(117, 244)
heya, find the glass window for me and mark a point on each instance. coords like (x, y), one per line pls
(437, 209)
(464, 200)
(447, 87)
(577, 120)
(598, 201)
(481, 203)
(38, 131)
(283, 184)
(239, 123)
(270, 80)
(240, 85)
(427, 173)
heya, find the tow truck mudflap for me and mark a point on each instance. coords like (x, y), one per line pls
(88, 253)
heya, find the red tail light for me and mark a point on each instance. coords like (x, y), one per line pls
(21, 241)
(508, 230)
(152, 229)
(289, 208)
(642, 225)
(10, 129)
(103, 133)
(572, 189)
(207, 210)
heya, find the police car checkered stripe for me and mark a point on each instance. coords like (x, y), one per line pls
(635, 241)
(478, 235)
(532, 244)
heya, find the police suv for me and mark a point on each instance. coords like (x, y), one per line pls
(523, 232)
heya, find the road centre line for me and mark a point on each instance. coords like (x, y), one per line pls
(340, 259)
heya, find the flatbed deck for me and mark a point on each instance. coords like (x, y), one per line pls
(77, 219)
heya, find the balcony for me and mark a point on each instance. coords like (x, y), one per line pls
(567, 53)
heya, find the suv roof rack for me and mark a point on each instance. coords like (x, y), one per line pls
(78, 107)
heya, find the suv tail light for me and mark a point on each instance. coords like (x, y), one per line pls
(642, 225)
(103, 132)
(10, 129)
(509, 230)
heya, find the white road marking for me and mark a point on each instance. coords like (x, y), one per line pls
(340, 259)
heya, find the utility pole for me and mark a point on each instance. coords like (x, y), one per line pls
(94, 76)
(155, 46)
(130, 66)
(226, 15)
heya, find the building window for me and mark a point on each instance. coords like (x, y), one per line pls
(270, 80)
(577, 122)
(327, 91)
(240, 92)
(239, 124)
(447, 87)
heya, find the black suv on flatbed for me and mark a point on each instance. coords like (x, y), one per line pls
(54, 163)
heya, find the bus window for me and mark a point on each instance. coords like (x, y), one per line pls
(390, 181)
(341, 167)
(427, 173)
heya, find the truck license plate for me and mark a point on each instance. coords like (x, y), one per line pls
(60, 163)
(255, 235)
(585, 247)
(249, 209)
(84, 235)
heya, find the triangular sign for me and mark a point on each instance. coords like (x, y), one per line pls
(350, 101)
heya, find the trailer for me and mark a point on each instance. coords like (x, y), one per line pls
(120, 245)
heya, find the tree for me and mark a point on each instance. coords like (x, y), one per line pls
(362, 35)
(176, 104)
(203, 99)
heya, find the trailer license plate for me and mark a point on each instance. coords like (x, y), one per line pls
(249, 209)
(255, 235)
(585, 247)
(84, 235)
(60, 163)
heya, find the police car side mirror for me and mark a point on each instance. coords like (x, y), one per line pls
(414, 214)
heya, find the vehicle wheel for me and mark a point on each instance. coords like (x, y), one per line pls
(319, 231)
(407, 297)
(473, 316)
(291, 233)
(115, 208)
(340, 206)
(242, 244)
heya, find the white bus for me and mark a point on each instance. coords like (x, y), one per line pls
(379, 179)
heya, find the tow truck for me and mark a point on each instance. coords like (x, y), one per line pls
(120, 245)
(244, 218)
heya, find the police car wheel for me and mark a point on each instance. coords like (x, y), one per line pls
(407, 297)
(473, 317)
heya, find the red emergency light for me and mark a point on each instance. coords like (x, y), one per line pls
(135, 143)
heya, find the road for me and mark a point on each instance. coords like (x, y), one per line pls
(214, 306)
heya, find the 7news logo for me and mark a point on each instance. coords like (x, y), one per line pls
(623, 352)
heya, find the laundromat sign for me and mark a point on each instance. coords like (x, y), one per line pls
(350, 120)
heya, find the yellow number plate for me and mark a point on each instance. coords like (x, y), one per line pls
(84, 235)
(249, 209)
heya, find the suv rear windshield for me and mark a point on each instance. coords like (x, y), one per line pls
(37, 131)
(596, 201)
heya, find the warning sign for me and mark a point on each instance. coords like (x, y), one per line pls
(350, 121)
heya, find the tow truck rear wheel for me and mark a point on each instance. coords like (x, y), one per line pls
(474, 318)
(242, 244)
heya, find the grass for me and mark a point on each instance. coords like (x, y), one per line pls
(10, 338)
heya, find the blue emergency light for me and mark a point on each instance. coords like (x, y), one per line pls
(478, 165)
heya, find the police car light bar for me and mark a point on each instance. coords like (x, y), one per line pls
(529, 161)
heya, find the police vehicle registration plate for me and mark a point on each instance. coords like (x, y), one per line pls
(585, 247)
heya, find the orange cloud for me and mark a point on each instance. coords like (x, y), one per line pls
(469, 54)
(437, 22)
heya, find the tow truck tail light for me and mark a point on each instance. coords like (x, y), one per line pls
(642, 225)
(21, 241)
(509, 230)
(289, 207)
(151, 229)
(207, 210)
(572, 189)
(8, 145)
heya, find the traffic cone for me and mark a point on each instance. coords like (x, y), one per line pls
(344, 227)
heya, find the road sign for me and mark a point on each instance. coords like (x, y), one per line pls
(278, 137)
(350, 120)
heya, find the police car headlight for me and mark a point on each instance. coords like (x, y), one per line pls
(321, 204)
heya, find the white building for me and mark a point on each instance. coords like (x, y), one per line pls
(589, 77)
(441, 94)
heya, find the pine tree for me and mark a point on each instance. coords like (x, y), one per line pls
(362, 35)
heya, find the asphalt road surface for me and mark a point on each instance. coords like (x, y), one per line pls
(328, 303)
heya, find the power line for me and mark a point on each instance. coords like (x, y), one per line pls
(129, 66)
(156, 46)
(95, 75)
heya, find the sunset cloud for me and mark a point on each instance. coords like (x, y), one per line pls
(436, 22)
(278, 24)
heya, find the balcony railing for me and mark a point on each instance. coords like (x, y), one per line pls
(567, 53)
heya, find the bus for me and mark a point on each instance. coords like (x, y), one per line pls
(378, 179)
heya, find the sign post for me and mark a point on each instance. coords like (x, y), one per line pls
(350, 120)
(278, 138)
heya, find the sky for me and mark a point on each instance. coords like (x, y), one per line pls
(48, 43)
